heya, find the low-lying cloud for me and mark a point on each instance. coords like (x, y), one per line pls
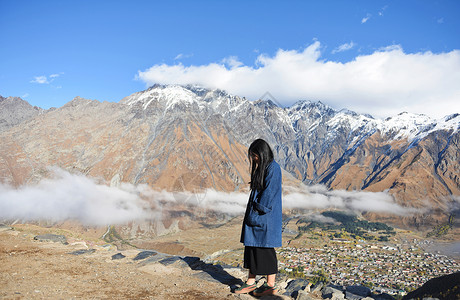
(319, 197)
(67, 196)
(384, 83)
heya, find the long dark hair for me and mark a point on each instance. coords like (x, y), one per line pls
(260, 148)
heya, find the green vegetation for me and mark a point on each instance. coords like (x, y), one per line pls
(296, 272)
(442, 229)
(113, 236)
(357, 229)
(320, 276)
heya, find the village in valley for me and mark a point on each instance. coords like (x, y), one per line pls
(386, 269)
(369, 254)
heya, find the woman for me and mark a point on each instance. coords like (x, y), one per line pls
(262, 223)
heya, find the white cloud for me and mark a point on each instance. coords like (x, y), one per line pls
(382, 10)
(383, 83)
(40, 80)
(45, 79)
(232, 62)
(72, 196)
(366, 18)
(344, 47)
(182, 56)
(318, 197)
(66, 196)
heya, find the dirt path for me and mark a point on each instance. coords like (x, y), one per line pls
(31, 269)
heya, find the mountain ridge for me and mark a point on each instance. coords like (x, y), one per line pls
(167, 134)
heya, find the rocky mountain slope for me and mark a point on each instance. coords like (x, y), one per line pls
(14, 110)
(190, 138)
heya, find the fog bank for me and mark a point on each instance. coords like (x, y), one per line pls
(67, 196)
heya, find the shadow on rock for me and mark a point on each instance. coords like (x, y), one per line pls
(210, 272)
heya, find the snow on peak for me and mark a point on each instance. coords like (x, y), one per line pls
(402, 126)
(353, 120)
(417, 126)
(311, 109)
(405, 125)
(308, 105)
(168, 95)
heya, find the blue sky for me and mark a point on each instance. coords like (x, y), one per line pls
(377, 57)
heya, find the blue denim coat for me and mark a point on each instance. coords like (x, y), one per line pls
(262, 223)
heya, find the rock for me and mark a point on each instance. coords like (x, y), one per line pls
(55, 238)
(217, 273)
(118, 256)
(82, 243)
(358, 290)
(83, 251)
(303, 295)
(107, 247)
(282, 284)
(295, 286)
(192, 261)
(330, 289)
(337, 295)
(383, 296)
(14, 111)
(154, 259)
(317, 287)
(144, 255)
(175, 261)
(4, 227)
(244, 296)
(216, 276)
(352, 296)
(239, 273)
(275, 297)
(444, 287)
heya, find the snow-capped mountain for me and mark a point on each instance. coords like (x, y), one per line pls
(188, 137)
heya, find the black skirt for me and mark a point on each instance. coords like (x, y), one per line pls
(260, 261)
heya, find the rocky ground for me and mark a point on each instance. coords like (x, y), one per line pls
(42, 263)
(47, 270)
(50, 263)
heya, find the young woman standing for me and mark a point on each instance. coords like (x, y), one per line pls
(262, 223)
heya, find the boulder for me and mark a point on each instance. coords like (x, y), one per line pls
(317, 287)
(383, 296)
(83, 251)
(295, 286)
(274, 297)
(144, 254)
(303, 295)
(176, 261)
(337, 296)
(357, 292)
(330, 289)
(118, 256)
(4, 227)
(55, 238)
(244, 296)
